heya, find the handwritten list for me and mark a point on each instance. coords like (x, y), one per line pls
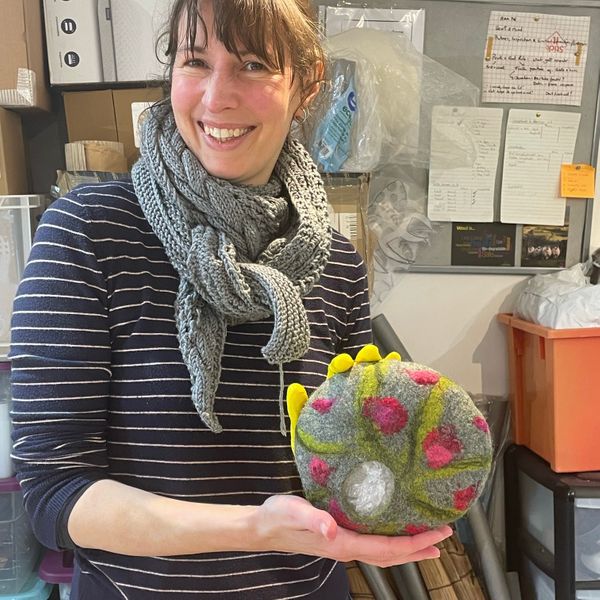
(535, 58)
(537, 143)
(465, 145)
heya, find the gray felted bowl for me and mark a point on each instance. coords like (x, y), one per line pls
(390, 447)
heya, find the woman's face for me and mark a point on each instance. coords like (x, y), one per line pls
(233, 114)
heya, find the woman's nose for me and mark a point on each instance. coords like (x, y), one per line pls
(221, 91)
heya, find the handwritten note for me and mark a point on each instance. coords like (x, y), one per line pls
(537, 143)
(577, 181)
(465, 144)
(407, 22)
(535, 58)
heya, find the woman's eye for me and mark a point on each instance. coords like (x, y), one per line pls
(254, 66)
(195, 63)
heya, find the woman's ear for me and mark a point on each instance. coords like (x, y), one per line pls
(315, 87)
(310, 93)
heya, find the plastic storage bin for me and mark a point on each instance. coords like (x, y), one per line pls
(57, 567)
(552, 528)
(34, 589)
(535, 583)
(555, 393)
(19, 550)
(18, 219)
(6, 465)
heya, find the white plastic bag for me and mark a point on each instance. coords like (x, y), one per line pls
(561, 300)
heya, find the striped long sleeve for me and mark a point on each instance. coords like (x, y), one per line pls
(101, 391)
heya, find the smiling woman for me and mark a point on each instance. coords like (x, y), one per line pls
(234, 108)
(160, 318)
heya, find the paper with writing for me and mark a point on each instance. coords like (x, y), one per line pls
(535, 58)
(465, 144)
(577, 181)
(537, 144)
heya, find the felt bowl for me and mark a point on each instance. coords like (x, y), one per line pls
(392, 447)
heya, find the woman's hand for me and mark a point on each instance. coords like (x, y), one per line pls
(292, 524)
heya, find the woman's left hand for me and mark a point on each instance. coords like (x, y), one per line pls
(292, 524)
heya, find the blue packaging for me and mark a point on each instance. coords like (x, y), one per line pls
(331, 143)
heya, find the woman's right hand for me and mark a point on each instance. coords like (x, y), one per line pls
(292, 524)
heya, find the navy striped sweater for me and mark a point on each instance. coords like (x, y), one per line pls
(101, 391)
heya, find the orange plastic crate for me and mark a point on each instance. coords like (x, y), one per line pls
(555, 392)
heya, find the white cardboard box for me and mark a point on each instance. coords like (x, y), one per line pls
(97, 41)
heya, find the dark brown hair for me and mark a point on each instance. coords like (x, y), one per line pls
(279, 32)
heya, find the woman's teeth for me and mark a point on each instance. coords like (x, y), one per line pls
(225, 134)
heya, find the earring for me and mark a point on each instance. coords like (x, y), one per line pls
(301, 118)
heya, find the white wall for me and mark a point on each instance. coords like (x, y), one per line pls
(595, 231)
(448, 322)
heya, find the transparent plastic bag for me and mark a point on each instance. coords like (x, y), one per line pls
(396, 88)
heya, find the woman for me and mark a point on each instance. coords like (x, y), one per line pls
(159, 320)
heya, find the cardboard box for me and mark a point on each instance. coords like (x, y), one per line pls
(348, 196)
(22, 77)
(106, 115)
(95, 155)
(79, 41)
(13, 171)
(99, 41)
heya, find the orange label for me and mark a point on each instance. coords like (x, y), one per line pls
(577, 181)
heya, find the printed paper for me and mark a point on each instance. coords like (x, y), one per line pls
(535, 58)
(483, 244)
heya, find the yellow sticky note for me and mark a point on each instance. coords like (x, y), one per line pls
(577, 181)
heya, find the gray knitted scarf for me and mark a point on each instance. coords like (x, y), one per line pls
(243, 253)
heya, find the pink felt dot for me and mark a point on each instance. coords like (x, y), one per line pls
(319, 470)
(341, 518)
(438, 457)
(387, 413)
(322, 405)
(481, 423)
(463, 498)
(441, 445)
(415, 529)
(423, 377)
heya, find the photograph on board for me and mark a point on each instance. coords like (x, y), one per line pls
(544, 245)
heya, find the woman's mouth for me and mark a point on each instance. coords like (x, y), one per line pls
(224, 135)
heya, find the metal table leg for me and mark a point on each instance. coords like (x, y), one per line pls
(410, 584)
(377, 581)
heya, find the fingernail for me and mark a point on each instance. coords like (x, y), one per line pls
(324, 529)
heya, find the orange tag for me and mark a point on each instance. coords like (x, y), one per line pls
(577, 181)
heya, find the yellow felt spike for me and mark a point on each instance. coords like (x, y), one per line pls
(368, 353)
(296, 399)
(393, 356)
(339, 364)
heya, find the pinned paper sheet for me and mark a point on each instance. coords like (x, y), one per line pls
(577, 181)
(537, 144)
(407, 22)
(465, 145)
(535, 58)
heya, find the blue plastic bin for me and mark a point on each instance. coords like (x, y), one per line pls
(34, 589)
